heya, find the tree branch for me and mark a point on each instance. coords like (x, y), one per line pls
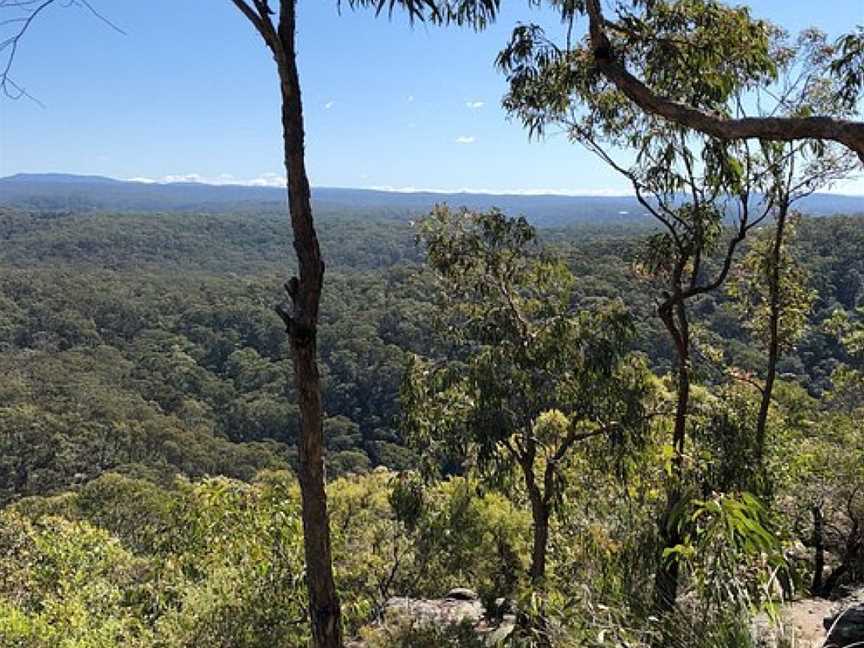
(847, 132)
(8, 86)
(259, 16)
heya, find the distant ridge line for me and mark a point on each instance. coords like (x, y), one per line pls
(60, 191)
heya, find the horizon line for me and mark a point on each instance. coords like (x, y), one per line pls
(273, 181)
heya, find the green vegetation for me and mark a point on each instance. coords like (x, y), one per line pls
(147, 423)
(164, 435)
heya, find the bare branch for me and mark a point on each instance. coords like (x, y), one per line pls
(34, 8)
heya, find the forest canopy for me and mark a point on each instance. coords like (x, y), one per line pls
(146, 370)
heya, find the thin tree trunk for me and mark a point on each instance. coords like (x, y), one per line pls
(819, 551)
(773, 332)
(539, 514)
(302, 326)
(666, 578)
(301, 323)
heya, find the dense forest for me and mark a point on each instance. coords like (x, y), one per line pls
(157, 334)
(232, 416)
(149, 432)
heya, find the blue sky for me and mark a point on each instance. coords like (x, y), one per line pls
(190, 92)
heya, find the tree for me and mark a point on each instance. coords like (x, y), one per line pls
(548, 86)
(771, 294)
(301, 316)
(693, 184)
(533, 377)
(301, 323)
(770, 288)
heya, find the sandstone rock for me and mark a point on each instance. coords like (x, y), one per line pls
(799, 624)
(460, 605)
(435, 611)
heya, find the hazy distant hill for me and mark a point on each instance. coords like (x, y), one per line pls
(95, 193)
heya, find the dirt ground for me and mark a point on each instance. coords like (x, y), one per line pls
(804, 619)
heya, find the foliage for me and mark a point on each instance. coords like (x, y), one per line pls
(732, 550)
(531, 378)
(126, 393)
(749, 291)
(405, 634)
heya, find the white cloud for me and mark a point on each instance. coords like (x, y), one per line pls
(851, 186)
(475, 105)
(465, 139)
(606, 192)
(267, 180)
(392, 189)
(329, 105)
(188, 177)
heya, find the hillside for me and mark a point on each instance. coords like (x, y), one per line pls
(95, 193)
(174, 312)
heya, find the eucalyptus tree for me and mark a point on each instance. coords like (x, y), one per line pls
(687, 183)
(770, 287)
(531, 378)
(706, 193)
(304, 291)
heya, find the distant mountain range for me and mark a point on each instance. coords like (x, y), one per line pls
(57, 191)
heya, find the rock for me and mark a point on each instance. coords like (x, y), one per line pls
(460, 605)
(500, 634)
(845, 624)
(435, 611)
(799, 624)
(462, 594)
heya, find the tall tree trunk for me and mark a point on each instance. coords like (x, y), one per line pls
(666, 578)
(773, 333)
(540, 519)
(302, 325)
